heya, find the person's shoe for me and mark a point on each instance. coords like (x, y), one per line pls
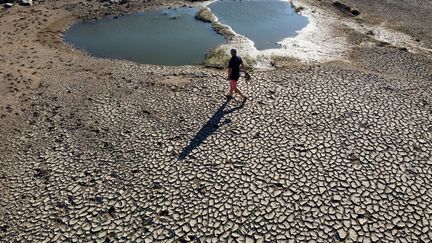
(244, 99)
(229, 97)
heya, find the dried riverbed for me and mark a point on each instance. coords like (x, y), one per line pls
(99, 149)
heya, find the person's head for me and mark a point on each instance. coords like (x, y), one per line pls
(233, 52)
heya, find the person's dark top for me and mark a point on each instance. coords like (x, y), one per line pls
(234, 64)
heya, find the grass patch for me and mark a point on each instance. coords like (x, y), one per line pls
(284, 62)
(223, 30)
(217, 58)
(248, 61)
(205, 15)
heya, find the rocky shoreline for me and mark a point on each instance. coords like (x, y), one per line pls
(108, 150)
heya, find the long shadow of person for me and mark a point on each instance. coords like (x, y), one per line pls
(208, 128)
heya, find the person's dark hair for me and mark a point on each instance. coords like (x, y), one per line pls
(233, 52)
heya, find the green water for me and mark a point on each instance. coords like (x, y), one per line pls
(162, 37)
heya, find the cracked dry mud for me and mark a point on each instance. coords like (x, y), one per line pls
(316, 153)
(114, 151)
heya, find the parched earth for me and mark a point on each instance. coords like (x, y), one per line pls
(109, 150)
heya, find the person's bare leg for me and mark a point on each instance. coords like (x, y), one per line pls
(240, 93)
(230, 92)
(233, 87)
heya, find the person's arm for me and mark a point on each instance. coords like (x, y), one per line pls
(230, 65)
(242, 67)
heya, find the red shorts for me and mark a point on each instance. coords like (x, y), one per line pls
(233, 84)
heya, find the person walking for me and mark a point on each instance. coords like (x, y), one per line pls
(235, 65)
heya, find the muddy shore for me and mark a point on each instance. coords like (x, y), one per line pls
(110, 150)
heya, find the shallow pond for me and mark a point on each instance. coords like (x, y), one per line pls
(162, 37)
(172, 36)
(265, 22)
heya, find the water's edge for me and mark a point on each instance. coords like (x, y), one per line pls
(316, 42)
(129, 33)
(234, 40)
(255, 58)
